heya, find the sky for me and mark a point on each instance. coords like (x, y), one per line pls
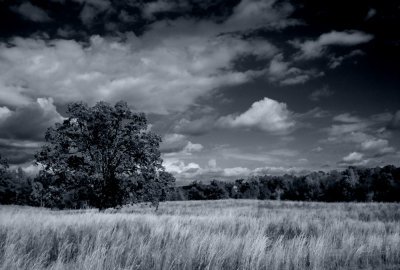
(234, 88)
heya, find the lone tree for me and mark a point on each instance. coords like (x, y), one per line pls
(106, 149)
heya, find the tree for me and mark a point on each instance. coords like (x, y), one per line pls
(4, 182)
(166, 183)
(108, 149)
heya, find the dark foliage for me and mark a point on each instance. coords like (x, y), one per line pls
(101, 156)
(352, 184)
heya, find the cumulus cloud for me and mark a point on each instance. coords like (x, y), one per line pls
(266, 115)
(321, 93)
(316, 48)
(31, 12)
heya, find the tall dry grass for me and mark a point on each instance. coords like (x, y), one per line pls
(243, 234)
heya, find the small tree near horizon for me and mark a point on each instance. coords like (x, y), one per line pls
(108, 149)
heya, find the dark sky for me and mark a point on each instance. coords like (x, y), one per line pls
(235, 88)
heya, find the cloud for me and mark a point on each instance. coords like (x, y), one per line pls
(19, 151)
(196, 127)
(30, 169)
(366, 135)
(353, 157)
(182, 57)
(371, 13)
(377, 147)
(212, 163)
(282, 72)
(91, 9)
(149, 10)
(395, 121)
(374, 144)
(31, 121)
(316, 112)
(316, 48)
(347, 118)
(236, 172)
(298, 79)
(173, 143)
(193, 147)
(336, 61)
(144, 72)
(351, 128)
(253, 14)
(31, 12)
(178, 144)
(266, 115)
(4, 113)
(321, 93)
(317, 149)
(190, 171)
(180, 169)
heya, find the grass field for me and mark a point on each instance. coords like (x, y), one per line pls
(230, 234)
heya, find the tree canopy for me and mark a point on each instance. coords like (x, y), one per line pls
(108, 150)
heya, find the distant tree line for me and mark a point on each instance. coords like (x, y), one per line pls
(352, 184)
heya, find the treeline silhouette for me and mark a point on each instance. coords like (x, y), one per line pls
(352, 184)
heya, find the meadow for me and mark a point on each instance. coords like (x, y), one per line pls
(226, 234)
